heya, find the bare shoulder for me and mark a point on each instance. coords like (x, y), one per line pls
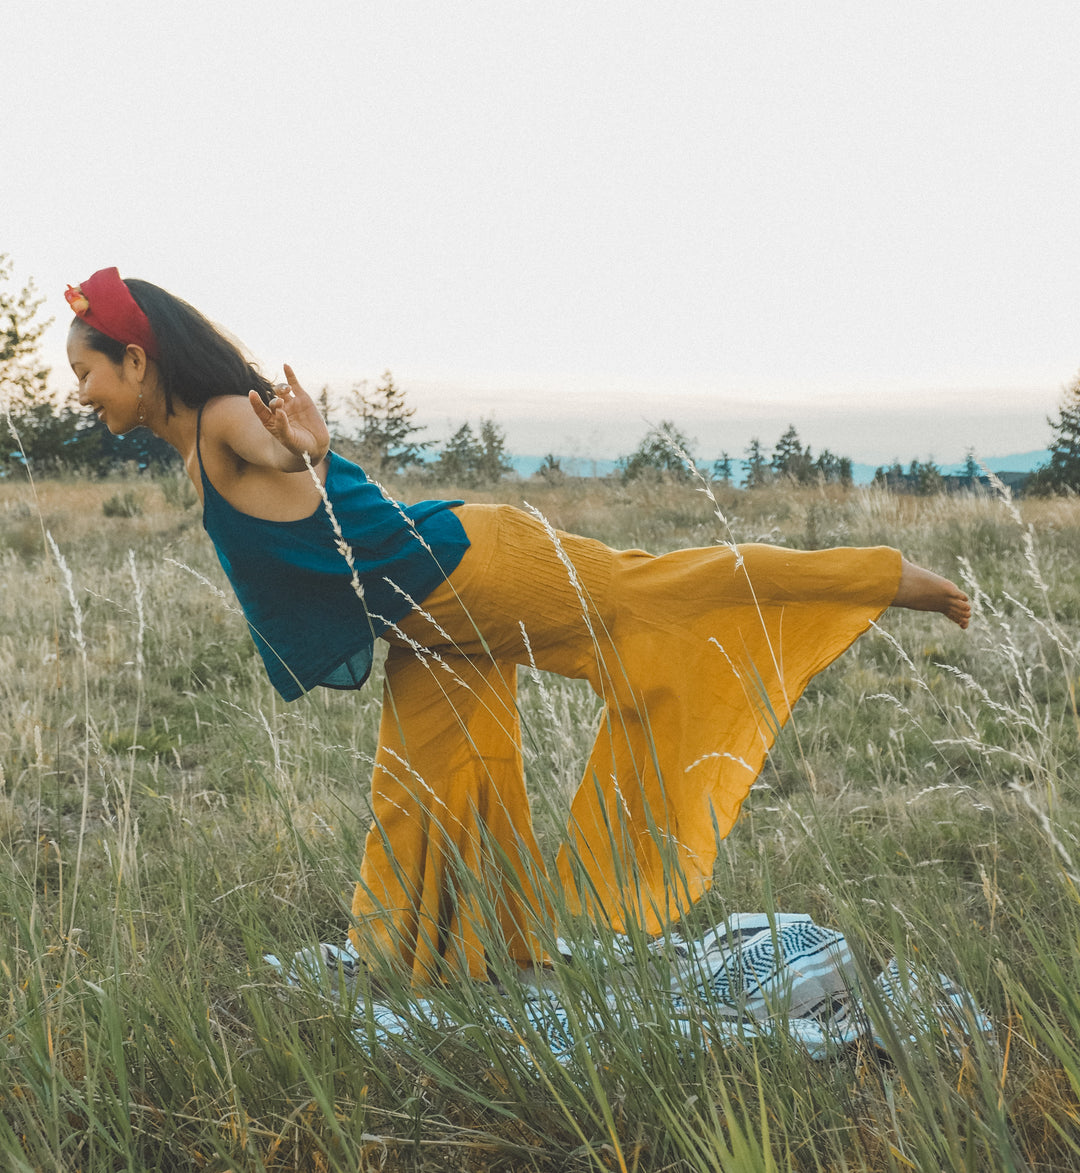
(228, 420)
(224, 424)
(233, 436)
(240, 458)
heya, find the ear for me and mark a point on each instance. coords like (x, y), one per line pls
(135, 361)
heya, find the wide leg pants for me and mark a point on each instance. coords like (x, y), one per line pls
(698, 656)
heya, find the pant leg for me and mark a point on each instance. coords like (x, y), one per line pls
(450, 861)
(714, 647)
(451, 816)
(698, 656)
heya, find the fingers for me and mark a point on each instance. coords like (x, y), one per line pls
(271, 415)
(293, 381)
(261, 410)
(284, 392)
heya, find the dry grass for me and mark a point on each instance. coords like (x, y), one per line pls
(164, 820)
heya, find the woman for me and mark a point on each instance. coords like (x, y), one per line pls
(698, 655)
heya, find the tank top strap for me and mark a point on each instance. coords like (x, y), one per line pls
(198, 446)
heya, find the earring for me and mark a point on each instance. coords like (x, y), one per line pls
(139, 415)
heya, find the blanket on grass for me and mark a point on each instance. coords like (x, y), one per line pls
(750, 977)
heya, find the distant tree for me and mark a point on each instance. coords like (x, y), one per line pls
(37, 426)
(551, 470)
(493, 459)
(971, 466)
(758, 471)
(890, 476)
(833, 469)
(457, 457)
(924, 479)
(1062, 472)
(385, 441)
(41, 433)
(921, 478)
(327, 412)
(475, 458)
(790, 459)
(21, 371)
(95, 449)
(721, 469)
(658, 455)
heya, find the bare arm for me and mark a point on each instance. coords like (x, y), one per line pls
(290, 427)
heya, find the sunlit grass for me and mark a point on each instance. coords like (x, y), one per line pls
(165, 821)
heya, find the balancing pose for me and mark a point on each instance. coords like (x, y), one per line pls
(698, 655)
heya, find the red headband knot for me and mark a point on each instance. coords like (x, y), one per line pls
(105, 302)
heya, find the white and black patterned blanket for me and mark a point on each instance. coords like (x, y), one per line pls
(750, 977)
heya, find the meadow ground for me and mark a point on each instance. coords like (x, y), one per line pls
(165, 821)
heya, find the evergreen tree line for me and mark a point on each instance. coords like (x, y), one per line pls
(666, 452)
(50, 434)
(385, 439)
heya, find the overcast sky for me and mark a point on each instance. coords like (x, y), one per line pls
(862, 218)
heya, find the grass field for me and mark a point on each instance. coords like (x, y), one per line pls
(165, 821)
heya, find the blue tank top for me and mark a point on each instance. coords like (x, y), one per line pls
(295, 586)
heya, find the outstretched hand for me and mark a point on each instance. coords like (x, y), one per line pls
(292, 418)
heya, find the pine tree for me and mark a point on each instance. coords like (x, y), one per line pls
(458, 456)
(95, 449)
(38, 427)
(660, 454)
(832, 469)
(721, 469)
(790, 459)
(327, 412)
(1062, 473)
(924, 479)
(756, 465)
(890, 476)
(475, 459)
(551, 470)
(385, 442)
(492, 462)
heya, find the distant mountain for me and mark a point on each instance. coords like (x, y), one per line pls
(573, 466)
(862, 474)
(1016, 462)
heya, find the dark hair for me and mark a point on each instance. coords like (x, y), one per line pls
(196, 360)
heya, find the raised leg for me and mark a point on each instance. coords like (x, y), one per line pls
(923, 590)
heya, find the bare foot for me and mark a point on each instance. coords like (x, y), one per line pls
(923, 590)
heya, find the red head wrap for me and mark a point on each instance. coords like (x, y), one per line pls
(105, 302)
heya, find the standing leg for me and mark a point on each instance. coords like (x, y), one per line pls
(451, 860)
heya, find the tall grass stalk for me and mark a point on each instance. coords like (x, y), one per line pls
(143, 1030)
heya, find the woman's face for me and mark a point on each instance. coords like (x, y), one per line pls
(108, 387)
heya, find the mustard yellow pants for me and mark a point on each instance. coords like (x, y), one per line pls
(698, 656)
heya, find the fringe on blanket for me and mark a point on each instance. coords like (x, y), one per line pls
(751, 977)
